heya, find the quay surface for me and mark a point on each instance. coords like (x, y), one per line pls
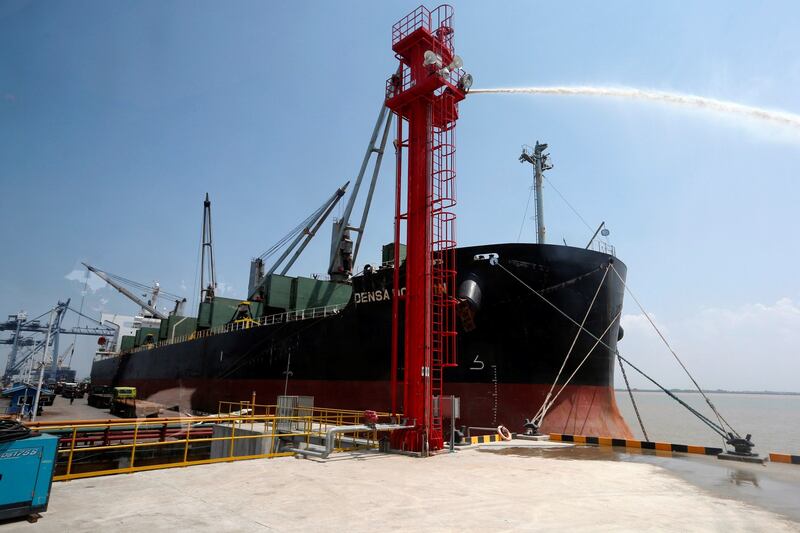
(78, 410)
(520, 485)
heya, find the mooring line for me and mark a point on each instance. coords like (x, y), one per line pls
(585, 358)
(721, 420)
(716, 428)
(630, 393)
(543, 409)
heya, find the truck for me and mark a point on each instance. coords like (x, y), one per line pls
(100, 396)
(71, 390)
(125, 405)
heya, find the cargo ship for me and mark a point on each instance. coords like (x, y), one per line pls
(523, 334)
(331, 339)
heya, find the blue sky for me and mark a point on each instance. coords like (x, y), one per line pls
(116, 119)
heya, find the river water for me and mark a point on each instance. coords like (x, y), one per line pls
(772, 419)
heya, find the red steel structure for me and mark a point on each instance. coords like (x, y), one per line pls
(424, 94)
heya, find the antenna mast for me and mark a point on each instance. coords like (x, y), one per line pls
(540, 162)
(207, 291)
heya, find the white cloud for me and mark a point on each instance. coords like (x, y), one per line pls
(751, 347)
(94, 284)
(102, 302)
(223, 288)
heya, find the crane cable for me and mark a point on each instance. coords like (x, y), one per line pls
(141, 286)
(294, 231)
(715, 427)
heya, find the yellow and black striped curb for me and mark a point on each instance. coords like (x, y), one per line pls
(784, 458)
(483, 439)
(637, 444)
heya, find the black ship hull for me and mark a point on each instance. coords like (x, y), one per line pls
(511, 345)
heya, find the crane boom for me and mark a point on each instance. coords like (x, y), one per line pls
(309, 231)
(147, 307)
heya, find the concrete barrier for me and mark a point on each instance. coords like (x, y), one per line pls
(635, 444)
(483, 439)
(784, 458)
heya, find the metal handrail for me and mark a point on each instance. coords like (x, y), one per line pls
(268, 320)
(83, 440)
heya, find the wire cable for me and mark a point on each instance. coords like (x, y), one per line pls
(722, 421)
(630, 393)
(716, 428)
(525, 214)
(569, 204)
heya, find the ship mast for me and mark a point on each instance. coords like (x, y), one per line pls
(540, 162)
(207, 292)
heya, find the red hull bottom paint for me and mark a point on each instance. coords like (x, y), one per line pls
(579, 410)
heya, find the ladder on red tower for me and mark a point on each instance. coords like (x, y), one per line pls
(443, 245)
(424, 93)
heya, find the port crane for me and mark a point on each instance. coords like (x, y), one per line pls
(19, 323)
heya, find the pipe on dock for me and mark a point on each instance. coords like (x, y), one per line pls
(337, 430)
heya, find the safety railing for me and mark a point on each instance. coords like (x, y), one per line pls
(105, 447)
(604, 248)
(422, 17)
(268, 320)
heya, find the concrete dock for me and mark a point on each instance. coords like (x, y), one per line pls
(77, 410)
(488, 487)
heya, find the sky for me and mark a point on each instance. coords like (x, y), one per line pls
(117, 117)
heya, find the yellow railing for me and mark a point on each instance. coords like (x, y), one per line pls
(104, 447)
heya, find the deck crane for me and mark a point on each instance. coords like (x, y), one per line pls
(299, 236)
(148, 306)
(207, 268)
(343, 252)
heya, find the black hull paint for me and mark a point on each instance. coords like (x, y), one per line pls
(505, 364)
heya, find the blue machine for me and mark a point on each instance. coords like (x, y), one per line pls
(26, 473)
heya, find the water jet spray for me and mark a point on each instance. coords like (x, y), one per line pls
(689, 100)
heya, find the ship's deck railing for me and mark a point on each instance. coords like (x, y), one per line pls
(89, 448)
(604, 248)
(268, 320)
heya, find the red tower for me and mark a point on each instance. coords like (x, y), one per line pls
(424, 94)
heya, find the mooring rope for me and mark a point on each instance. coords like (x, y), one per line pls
(716, 428)
(630, 393)
(585, 358)
(543, 409)
(721, 420)
(710, 423)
